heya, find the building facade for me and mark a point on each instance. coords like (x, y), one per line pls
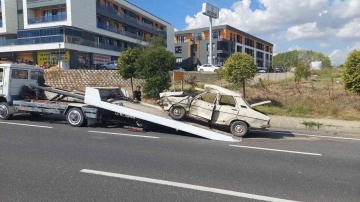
(80, 33)
(192, 47)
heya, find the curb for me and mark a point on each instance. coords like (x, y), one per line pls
(326, 125)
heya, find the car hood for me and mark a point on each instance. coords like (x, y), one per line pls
(260, 103)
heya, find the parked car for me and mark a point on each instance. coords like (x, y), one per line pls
(110, 65)
(208, 68)
(179, 69)
(279, 69)
(262, 70)
(216, 105)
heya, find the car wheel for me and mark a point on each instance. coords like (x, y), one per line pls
(5, 111)
(239, 128)
(104, 67)
(215, 70)
(75, 117)
(201, 70)
(177, 112)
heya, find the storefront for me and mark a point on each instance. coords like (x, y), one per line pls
(25, 58)
(101, 59)
(49, 59)
(83, 60)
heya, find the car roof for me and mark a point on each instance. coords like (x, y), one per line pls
(223, 91)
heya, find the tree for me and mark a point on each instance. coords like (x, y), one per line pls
(128, 64)
(238, 68)
(301, 71)
(297, 57)
(351, 72)
(156, 41)
(155, 63)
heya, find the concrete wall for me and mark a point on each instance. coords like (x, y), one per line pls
(9, 17)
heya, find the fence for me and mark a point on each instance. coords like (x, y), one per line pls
(79, 79)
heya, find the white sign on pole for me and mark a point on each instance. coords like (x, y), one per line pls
(210, 10)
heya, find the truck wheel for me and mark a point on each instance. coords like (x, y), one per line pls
(75, 117)
(4, 111)
(177, 112)
(239, 128)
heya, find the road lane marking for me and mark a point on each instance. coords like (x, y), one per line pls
(21, 124)
(122, 134)
(185, 186)
(278, 150)
(301, 134)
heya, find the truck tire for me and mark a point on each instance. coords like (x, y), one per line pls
(75, 117)
(239, 128)
(177, 112)
(5, 111)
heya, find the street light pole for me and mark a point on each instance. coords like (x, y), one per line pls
(210, 42)
(59, 55)
(212, 12)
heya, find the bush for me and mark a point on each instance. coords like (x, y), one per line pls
(351, 73)
(301, 71)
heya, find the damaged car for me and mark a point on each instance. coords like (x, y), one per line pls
(216, 105)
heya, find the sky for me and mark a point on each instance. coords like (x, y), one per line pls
(328, 26)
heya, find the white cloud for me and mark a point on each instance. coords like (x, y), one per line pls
(276, 50)
(175, 30)
(338, 57)
(306, 19)
(305, 31)
(324, 45)
(350, 30)
(297, 47)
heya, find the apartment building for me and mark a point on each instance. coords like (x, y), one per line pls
(192, 47)
(75, 33)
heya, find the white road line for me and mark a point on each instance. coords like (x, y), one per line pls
(29, 125)
(301, 134)
(278, 150)
(122, 134)
(185, 186)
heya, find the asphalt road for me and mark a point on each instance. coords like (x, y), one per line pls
(47, 160)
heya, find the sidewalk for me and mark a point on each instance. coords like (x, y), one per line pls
(328, 125)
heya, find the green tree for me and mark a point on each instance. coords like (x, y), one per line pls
(351, 72)
(155, 63)
(297, 57)
(301, 71)
(128, 64)
(238, 68)
(156, 41)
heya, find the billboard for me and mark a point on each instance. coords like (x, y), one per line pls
(210, 10)
(101, 59)
(50, 58)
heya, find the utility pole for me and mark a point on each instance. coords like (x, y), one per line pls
(59, 57)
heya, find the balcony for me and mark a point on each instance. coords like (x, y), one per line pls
(46, 19)
(126, 19)
(59, 39)
(44, 3)
(118, 31)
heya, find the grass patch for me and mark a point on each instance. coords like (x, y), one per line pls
(312, 124)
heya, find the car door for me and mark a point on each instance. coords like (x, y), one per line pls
(1, 80)
(226, 110)
(203, 106)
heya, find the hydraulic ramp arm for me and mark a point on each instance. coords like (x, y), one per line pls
(92, 97)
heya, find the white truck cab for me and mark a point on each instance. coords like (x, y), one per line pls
(13, 77)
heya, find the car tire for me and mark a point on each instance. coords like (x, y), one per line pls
(177, 112)
(239, 128)
(201, 70)
(104, 68)
(75, 117)
(5, 111)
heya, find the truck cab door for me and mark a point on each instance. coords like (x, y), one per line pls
(1, 80)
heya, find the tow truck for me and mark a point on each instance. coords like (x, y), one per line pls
(23, 90)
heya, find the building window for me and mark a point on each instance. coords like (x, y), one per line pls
(197, 36)
(267, 48)
(239, 38)
(260, 46)
(178, 61)
(238, 49)
(180, 39)
(249, 42)
(260, 63)
(178, 49)
(215, 35)
(259, 55)
(232, 48)
(223, 45)
(249, 51)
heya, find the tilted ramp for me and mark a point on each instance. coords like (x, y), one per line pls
(92, 97)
